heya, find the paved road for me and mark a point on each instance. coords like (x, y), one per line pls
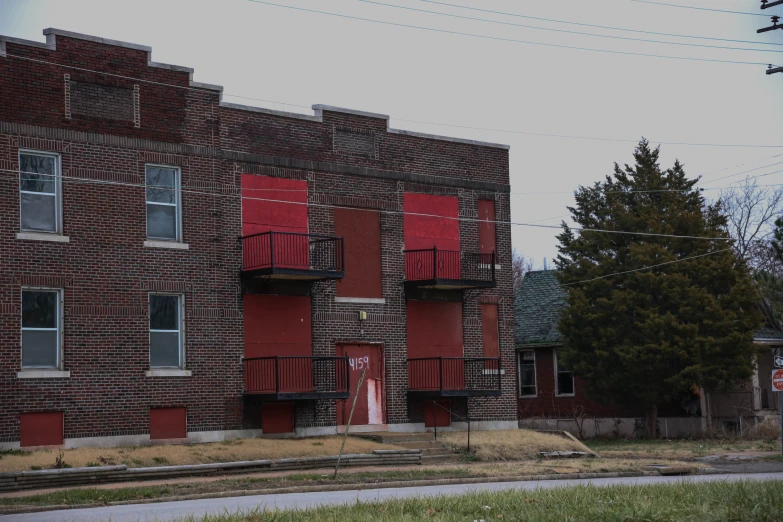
(172, 510)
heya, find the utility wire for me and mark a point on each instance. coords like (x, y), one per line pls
(507, 131)
(597, 26)
(648, 267)
(72, 179)
(501, 39)
(627, 38)
(698, 8)
(745, 172)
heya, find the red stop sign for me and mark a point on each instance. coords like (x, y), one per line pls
(777, 380)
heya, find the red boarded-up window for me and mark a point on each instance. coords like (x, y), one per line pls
(168, 423)
(284, 208)
(41, 429)
(361, 233)
(434, 329)
(277, 325)
(489, 327)
(422, 232)
(277, 417)
(276, 205)
(486, 210)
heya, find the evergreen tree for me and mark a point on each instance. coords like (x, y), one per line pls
(641, 337)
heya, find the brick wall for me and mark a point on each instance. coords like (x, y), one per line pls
(106, 273)
(547, 404)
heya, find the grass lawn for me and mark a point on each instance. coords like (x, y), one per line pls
(143, 456)
(676, 448)
(509, 444)
(747, 501)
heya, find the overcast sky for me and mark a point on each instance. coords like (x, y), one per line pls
(492, 83)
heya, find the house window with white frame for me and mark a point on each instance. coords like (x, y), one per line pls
(527, 373)
(41, 328)
(564, 379)
(164, 218)
(166, 331)
(39, 192)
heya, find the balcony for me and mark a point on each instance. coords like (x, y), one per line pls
(288, 378)
(286, 255)
(448, 269)
(454, 377)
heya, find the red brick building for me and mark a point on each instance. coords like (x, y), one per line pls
(176, 267)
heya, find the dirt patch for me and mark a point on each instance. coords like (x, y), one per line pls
(170, 455)
(509, 444)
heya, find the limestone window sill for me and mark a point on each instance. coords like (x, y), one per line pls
(497, 267)
(43, 374)
(494, 372)
(174, 245)
(42, 236)
(360, 300)
(169, 373)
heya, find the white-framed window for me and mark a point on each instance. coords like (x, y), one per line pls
(41, 328)
(166, 330)
(40, 196)
(527, 373)
(564, 379)
(164, 215)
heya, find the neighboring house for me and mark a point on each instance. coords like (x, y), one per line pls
(173, 266)
(546, 388)
(550, 395)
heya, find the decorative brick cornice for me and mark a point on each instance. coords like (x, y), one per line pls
(216, 313)
(352, 201)
(52, 281)
(106, 311)
(242, 157)
(156, 285)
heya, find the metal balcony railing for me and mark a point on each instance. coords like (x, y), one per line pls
(449, 268)
(298, 377)
(454, 376)
(293, 255)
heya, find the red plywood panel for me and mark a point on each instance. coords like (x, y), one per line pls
(434, 329)
(433, 414)
(370, 404)
(361, 233)
(277, 417)
(436, 229)
(41, 429)
(486, 210)
(489, 327)
(277, 325)
(168, 423)
(284, 208)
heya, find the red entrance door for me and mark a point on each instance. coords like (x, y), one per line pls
(371, 401)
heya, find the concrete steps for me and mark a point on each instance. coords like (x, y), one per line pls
(432, 451)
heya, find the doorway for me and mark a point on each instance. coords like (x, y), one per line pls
(371, 402)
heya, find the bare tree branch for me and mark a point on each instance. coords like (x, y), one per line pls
(520, 265)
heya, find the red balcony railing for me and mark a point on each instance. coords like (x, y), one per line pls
(298, 377)
(293, 253)
(455, 376)
(460, 268)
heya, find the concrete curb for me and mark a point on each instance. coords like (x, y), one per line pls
(53, 478)
(337, 487)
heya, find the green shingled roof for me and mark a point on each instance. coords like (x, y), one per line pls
(537, 308)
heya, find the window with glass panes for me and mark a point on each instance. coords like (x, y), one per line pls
(39, 199)
(163, 203)
(564, 378)
(165, 331)
(40, 328)
(527, 373)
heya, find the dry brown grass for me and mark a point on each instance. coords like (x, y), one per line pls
(509, 444)
(228, 451)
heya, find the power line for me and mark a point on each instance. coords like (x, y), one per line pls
(746, 171)
(507, 131)
(649, 267)
(697, 8)
(627, 38)
(597, 26)
(72, 179)
(501, 39)
(739, 165)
